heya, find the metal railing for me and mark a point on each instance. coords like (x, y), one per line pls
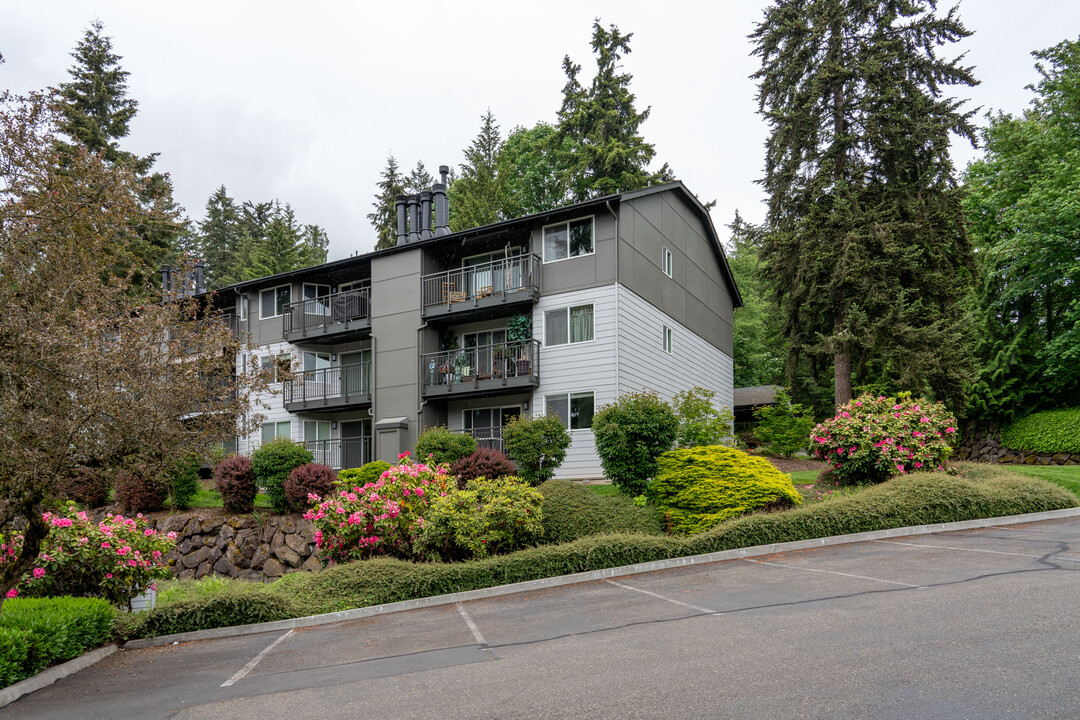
(341, 453)
(483, 362)
(306, 315)
(343, 381)
(489, 437)
(491, 279)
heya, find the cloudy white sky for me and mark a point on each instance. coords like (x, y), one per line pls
(303, 101)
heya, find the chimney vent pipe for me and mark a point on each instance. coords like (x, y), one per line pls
(425, 215)
(414, 218)
(402, 230)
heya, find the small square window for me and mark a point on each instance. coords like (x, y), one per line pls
(669, 340)
(568, 325)
(272, 302)
(574, 410)
(569, 239)
(665, 261)
(273, 430)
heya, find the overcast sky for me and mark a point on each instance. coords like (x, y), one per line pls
(303, 101)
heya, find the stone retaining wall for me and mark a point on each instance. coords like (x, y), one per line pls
(984, 445)
(239, 546)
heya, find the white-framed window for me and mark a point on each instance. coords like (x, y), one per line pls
(275, 363)
(668, 340)
(575, 410)
(272, 301)
(243, 307)
(569, 239)
(273, 430)
(315, 430)
(316, 361)
(665, 261)
(568, 325)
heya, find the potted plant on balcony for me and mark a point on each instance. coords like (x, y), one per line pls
(461, 366)
(518, 335)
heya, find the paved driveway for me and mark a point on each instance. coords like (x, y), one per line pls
(971, 624)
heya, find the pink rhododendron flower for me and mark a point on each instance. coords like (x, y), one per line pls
(12, 593)
(39, 573)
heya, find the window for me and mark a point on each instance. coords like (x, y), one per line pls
(574, 409)
(665, 261)
(315, 430)
(243, 307)
(668, 340)
(316, 361)
(272, 302)
(273, 430)
(568, 325)
(276, 364)
(569, 239)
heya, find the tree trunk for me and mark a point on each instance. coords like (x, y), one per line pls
(842, 378)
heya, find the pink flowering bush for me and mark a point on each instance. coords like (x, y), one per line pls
(874, 439)
(115, 559)
(382, 517)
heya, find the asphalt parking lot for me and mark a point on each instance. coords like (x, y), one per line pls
(971, 624)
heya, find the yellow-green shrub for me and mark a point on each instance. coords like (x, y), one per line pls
(700, 487)
(488, 517)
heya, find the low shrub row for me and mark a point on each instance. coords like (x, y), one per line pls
(37, 633)
(239, 605)
(1052, 431)
(914, 499)
(572, 511)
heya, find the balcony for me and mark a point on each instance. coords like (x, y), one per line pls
(329, 389)
(479, 291)
(482, 370)
(329, 319)
(490, 438)
(341, 453)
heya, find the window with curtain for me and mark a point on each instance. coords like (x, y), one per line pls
(568, 325)
(273, 430)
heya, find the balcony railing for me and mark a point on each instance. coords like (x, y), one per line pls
(489, 437)
(329, 388)
(341, 453)
(484, 369)
(328, 314)
(513, 279)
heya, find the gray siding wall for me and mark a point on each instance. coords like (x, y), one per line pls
(585, 271)
(395, 317)
(696, 295)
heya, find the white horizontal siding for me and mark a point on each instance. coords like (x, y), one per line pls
(645, 365)
(579, 367)
(270, 405)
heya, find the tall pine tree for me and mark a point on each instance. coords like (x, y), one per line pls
(384, 217)
(479, 195)
(607, 154)
(219, 236)
(865, 247)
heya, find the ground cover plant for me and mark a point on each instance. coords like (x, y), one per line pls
(1051, 431)
(37, 633)
(697, 488)
(874, 438)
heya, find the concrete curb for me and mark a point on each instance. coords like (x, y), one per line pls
(50, 675)
(434, 601)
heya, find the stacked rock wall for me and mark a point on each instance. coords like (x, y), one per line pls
(984, 445)
(239, 546)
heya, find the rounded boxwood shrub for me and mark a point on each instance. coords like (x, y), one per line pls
(358, 477)
(1052, 431)
(630, 434)
(488, 517)
(87, 486)
(141, 491)
(485, 462)
(235, 482)
(272, 463)
(308, 479)
(698, 488)
(538, 446)
(439, 445)
(872, 439)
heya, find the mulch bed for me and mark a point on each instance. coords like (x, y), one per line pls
(796, 464)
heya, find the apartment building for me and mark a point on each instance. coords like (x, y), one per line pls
(558, 312)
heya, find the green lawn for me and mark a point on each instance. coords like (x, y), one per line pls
(604, 489)
(207, 497)
(1067, 476)
(804, 477)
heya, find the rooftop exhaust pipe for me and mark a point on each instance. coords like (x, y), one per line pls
(414, 218)
(442, 203)
(402, 230)
(425, 215)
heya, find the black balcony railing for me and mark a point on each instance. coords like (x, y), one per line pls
(485, 367)
(341, 453)
(488, 437)
(498, 281)
(327, 387)
(319, 314)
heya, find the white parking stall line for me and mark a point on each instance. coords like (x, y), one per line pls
(472, 626)
(833, 572)
(976, 550)
(698, 608)
(255, 661)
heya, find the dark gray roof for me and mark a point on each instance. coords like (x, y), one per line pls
(758, 395)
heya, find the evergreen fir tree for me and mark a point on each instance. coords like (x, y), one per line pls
(479, 195)
(865, 247)
(607, 154)
(384, 216)
(418, 180)
(759, 349)
(219, 236)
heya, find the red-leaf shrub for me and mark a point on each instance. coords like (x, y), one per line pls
(235, 482)
(88, 486)
(307, 479)
(484, 462)
(141, 491)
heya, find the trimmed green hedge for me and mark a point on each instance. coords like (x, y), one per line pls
(1052, 431)
(573, 511)
(237, 606)
(916, 499)
(38, 632)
